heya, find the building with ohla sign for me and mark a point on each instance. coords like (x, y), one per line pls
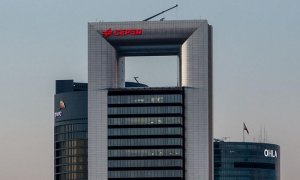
(246, 160)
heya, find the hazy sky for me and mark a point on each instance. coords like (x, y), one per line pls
(256, 70)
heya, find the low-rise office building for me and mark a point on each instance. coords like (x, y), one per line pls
(246, 161)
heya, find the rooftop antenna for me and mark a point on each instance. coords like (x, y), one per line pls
(135, 78)
(160, 13)
(265, 135)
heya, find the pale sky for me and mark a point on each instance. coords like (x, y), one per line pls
(256, 70)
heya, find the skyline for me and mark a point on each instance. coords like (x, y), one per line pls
(256, 76)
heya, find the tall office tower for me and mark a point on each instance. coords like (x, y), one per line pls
(150, 133)
(246, 160)
(70, 126)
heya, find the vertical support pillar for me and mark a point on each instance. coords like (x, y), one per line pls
(102, 74)
(196, 78)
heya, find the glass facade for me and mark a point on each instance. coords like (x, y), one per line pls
(70, 131)
(246, 161)
(145, 134)
(71, 151)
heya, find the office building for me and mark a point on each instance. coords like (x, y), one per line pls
(246, 161)
(150, 133)
(70, 128)
(145, 133)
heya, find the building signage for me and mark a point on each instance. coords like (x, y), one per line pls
(61, 106)
(58, 114)
(270, 153)
(121, 32)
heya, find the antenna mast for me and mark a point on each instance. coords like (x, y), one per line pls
(136, 79)
(160, 13)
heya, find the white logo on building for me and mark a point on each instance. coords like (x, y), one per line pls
(270, 153)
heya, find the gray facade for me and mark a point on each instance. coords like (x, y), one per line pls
(190, 40)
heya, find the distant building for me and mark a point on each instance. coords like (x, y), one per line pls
(246, 161)
(70, 126)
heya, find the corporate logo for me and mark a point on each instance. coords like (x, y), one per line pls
(61, 106)
(121, 32)
(270, 153)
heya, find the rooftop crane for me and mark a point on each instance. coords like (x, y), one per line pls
(160, 13)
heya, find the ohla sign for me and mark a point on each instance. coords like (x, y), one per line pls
(270, 153)
(121, 32)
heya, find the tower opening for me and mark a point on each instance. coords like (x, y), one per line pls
(155, 71)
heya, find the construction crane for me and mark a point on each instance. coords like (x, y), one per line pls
(161, 13)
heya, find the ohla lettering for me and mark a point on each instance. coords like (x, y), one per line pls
(121, 32)
(270, 153)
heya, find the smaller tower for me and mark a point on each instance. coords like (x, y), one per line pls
(70, 130)
(246, 160)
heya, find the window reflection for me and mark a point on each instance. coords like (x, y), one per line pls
(142, 174)
(137, 99)
(144, 120)
(71, 151)
(144, 131)
(145, 142)
(144, 152)
(145, 110)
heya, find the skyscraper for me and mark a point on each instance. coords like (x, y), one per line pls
(156, 133)
(70, 130)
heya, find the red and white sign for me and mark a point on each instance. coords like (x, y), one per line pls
(121, 32)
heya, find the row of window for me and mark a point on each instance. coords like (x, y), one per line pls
(71, 135)
(145, 131)
(145, 142)
(239, 152)
(71, 128)
(71, 168)
(72, 160)
(71, 144)
(144, 121)
(145, 110)
(243, 146)
(144, 174)
(144, 152)
(145, 163)
(249, 174)
(71, 152)
(230, 160)
(135, 99)
(72, 176)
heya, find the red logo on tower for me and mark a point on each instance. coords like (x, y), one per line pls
(121, 32)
